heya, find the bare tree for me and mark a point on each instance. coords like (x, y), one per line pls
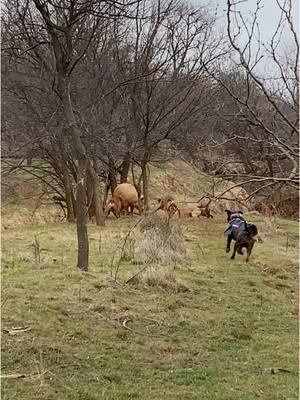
(169, 53)
(258, 106)
(53, 38)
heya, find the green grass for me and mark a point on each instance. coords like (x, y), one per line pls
(209, 338)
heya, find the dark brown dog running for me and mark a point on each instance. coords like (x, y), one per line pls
(243, 233)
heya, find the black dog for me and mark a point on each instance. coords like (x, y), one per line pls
(240, 231)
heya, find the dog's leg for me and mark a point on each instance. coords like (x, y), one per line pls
(229, 239)
(234, 251)
(239, 249)
(249, 249)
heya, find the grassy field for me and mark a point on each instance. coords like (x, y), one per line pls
(209, 331)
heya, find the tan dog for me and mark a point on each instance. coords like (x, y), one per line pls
(205, 212)
(168, 205)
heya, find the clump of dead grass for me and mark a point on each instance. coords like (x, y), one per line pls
(162, 247)
(267, 228)
(163, 277)
(162, 243)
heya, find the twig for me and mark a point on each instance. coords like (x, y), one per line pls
(68, 365)
(124, 323)
(273, 371)
(17, 330)
(136, 274)
(200, 249)
(124, 243)
(14, 376)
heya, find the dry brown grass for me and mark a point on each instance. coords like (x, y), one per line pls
(267, 228)
(161, 249)
(160, 276)
(163, 241)
(17, 216)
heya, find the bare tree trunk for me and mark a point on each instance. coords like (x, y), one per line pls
(125, 168)
(96, 200)
(81, 220)
(69, 199)
(135, 184)
(29, 157)
(90, 196)
(73, 202)
(112, 175)
(107, 186)
(133, 175)
(145, 185)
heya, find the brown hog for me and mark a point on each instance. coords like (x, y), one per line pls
(125, 196)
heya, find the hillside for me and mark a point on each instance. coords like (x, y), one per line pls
(22, 204)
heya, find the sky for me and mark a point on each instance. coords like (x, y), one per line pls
(268, 16)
